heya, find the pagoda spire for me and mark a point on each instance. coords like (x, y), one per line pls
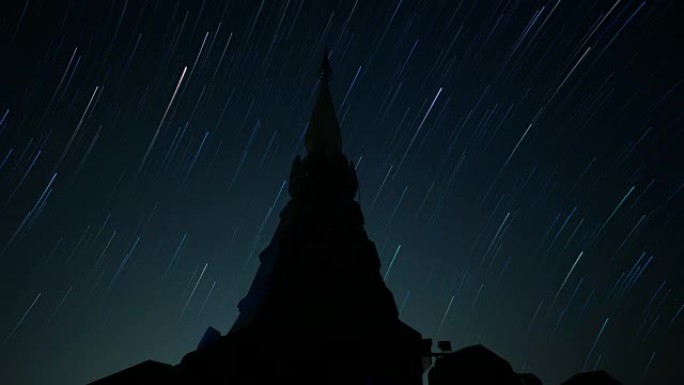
(325, 71)
(318, 311)
(323, 133)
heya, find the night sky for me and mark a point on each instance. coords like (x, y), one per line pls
(520, 169)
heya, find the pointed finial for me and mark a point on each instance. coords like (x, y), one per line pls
(325, 72)
(323, 133)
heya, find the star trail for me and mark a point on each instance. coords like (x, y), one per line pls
(520, 171)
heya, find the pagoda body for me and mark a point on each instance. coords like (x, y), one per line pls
(318, 310)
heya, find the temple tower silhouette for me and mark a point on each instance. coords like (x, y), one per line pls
(318, 310)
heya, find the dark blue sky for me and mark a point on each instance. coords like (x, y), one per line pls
(520, 170)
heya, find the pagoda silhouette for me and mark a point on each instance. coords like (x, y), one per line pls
(318, 310)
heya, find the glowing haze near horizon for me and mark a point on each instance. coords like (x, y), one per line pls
(520, 168)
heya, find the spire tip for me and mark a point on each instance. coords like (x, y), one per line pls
(325, 72)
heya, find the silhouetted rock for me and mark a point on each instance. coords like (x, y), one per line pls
(599, 377)
(148, 372)
(473, 365)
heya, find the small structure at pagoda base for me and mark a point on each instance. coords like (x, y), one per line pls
(318, 310)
